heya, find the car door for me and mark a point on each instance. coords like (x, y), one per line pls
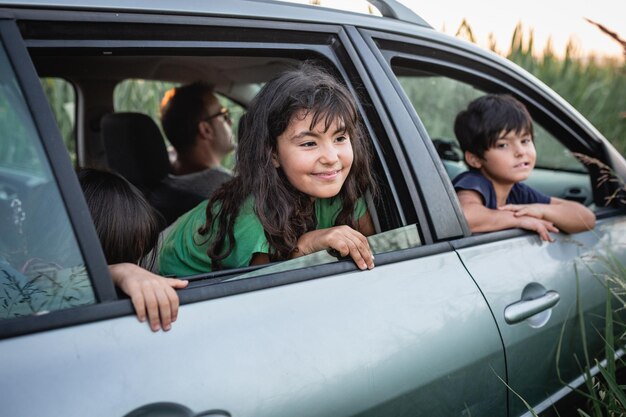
(538, 292)
(413, 336)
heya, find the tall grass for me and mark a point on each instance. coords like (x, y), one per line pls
(603, 392)
(596, 87)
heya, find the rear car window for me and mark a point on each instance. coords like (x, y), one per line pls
(438, 99)
(145, 96)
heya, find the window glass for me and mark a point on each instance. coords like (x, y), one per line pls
(41, 267)
(551, 154)
(62, 98)
(437, 100)
(144, 96)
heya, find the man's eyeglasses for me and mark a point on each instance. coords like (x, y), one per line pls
(223, 112)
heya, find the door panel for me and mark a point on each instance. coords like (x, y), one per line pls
(410, 338)
(505, 268)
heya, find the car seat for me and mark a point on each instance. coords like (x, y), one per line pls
(135, 148)
(451, 156)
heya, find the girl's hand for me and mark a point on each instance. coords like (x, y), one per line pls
(343, 239)
(532, 210)
(539, 226)
(153, 296)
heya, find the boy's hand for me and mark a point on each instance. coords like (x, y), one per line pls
(539, 226)
(153, 296)
(569, 216)
(532, 210)
(343, 239)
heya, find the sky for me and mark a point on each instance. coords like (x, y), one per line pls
(558, 20)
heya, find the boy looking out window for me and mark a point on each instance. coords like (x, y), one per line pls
(496, 136)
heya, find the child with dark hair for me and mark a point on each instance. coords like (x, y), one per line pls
(496, 136)
(127, 225)
(128, 229)
(303, 167)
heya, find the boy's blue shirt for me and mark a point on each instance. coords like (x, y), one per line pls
(473, 180)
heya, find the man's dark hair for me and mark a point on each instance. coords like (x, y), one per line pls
(485, 120)
(181, 111)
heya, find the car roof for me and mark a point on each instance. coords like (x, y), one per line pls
(393, 12)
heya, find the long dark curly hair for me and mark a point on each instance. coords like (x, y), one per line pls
(286, 213)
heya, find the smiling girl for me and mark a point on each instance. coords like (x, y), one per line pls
(303, 167)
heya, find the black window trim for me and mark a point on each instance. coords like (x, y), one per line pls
(431, 193)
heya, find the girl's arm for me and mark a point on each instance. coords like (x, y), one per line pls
(569, 216)
(344, 239)
(365, 225)
(483, 219)
(153, 296)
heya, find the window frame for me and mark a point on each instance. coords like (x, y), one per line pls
(466, 63)
(336, 49)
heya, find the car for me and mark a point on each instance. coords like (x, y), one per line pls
(448, 323)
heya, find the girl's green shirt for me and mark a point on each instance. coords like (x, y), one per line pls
(183, 251)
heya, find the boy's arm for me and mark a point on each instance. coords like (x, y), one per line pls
(483, 219)
(569, 216)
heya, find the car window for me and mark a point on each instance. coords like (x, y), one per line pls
(41, 267)
(438, 111)
(437, 100)
(145, 96)
(137, 95)
(62, 99)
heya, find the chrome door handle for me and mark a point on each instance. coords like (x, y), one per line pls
(524, 309)
(169, 409)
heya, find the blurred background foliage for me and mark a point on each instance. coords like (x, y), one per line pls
(595, 86)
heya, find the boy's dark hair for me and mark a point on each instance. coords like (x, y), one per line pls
(286, 213)
(181, 110)
(127, 225)
(485, 120)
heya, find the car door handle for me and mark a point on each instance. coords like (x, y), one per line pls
(168, 409)
(524, 309)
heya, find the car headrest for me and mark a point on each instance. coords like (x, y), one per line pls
(135, 148)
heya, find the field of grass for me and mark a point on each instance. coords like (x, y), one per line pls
(595, 87)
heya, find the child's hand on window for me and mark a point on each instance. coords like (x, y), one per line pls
(153, 296)
(532, 210)
(343, 239)
(539, 226)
